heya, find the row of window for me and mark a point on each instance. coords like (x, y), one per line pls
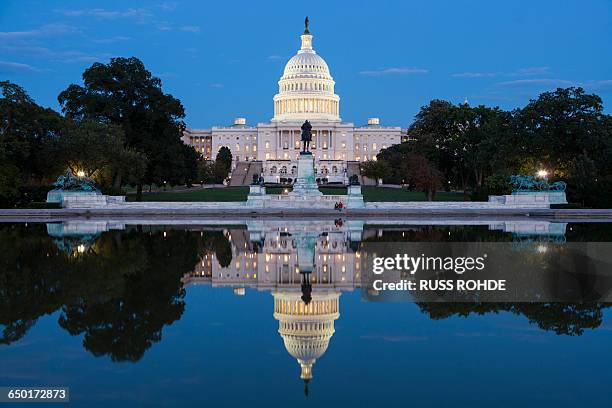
(305, 87)
(283, 170)
(308, 66)
(287, 156)
(365, 146)
(246, 148)
(298, 145)
(308, 105)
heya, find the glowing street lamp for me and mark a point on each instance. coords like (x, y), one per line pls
(81, 173)
(542, 173)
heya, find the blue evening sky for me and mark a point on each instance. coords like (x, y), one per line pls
(223, 59)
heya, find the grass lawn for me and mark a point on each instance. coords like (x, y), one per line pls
(206, 194)
(370, 193)
(324, 190)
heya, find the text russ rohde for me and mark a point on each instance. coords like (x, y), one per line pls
(486, 271)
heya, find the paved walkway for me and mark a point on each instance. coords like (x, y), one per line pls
(604, 215)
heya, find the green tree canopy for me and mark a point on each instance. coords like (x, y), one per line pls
(123, 92)
(27, 134)
(223, 164)
(376, 169)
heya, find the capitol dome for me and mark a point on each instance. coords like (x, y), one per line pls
(306, 89)
(306, 329)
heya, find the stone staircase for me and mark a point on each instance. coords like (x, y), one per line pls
(352, 168)
(243, 173)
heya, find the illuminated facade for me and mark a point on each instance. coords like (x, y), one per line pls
(306, 90)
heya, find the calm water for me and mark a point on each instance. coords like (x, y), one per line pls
(153, 315)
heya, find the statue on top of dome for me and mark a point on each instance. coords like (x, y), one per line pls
(306, 137)
(306, 22)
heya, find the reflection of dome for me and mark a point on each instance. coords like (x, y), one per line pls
(306, 329)
(306, 89)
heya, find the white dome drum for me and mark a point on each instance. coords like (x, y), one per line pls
(306, 329)
(306, 89)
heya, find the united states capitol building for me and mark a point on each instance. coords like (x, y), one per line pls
(306, 91)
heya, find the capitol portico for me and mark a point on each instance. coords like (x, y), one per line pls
(306, 91)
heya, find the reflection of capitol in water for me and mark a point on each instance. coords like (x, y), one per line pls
(306, 328)
(305, 265)
(267, 259)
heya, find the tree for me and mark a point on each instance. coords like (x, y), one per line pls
(26, 131)
(223, 164)
(421, 173)
(570, 319)
(376, 169)
(465, 143)
(98, 150)
(479, 143)
(205, 172)
(559, 126)
(583, 184)
(566, 133)
(432, 131)
(90, 147)
(123, 92)
(27, 134)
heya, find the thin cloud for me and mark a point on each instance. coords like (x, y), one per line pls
(10, 66)
(138, 13)
(394, 71)
(25, 49)
(166, 6)
(165, 26)
(111, 40)
(536, 82)
(518, 73)
(475, 74)
(275, 57)
(216, 85)
(190, 29)
(43, 31)
(77, 56)
(605, 84)
(533, 71)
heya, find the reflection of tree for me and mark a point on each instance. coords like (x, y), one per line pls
(223, 249)
(437, 233)
(31, 267)
(119, 293)
(589, 232)
(36, 277)
(125, 324)
(562, 318)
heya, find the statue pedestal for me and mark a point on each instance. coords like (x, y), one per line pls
(59, 196)
(257, 196)
(355, 198)
(554, 197)
(305, 184)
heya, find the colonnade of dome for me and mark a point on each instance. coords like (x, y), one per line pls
(306, 89)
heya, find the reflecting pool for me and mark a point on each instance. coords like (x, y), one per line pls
(264, 311)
